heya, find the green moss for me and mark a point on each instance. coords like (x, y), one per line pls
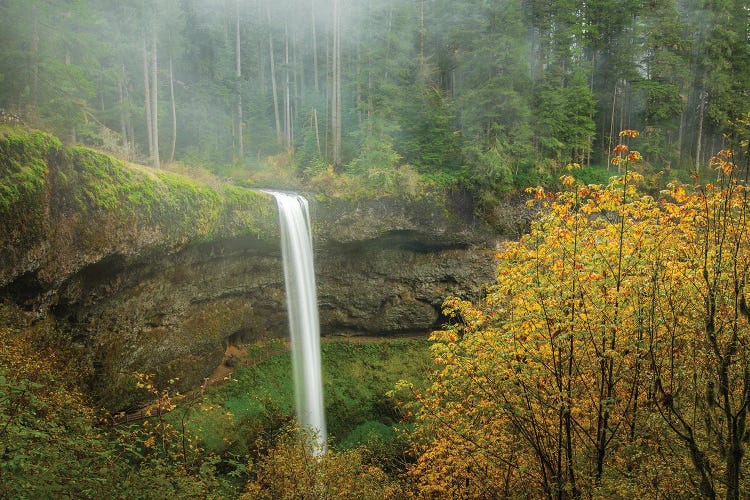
(87, 186)
(23, 157)
(247, 210)
(192, 207)
(97, 179)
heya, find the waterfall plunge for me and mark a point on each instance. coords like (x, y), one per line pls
(302, 307)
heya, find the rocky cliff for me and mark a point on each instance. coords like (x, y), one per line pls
(147, 271)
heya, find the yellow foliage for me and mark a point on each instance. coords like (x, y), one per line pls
(290, 470)
(586, 369)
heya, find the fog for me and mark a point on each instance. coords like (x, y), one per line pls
(501, 90)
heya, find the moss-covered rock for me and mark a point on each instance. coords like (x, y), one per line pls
(63, 208)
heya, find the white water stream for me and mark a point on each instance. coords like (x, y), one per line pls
(302, 307)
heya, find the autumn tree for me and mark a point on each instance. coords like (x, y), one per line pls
(610, 356)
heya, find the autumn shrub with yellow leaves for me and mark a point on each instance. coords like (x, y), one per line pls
(292, 469)
(612, 357)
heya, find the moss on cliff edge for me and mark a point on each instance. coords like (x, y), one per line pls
(23, 158)
(178, 204)
(63, 207)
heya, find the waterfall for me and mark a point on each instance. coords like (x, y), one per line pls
(302, 307)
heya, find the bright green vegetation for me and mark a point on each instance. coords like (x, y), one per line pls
(356, 378)
(77, 183)
(22, 155)
(178, 203)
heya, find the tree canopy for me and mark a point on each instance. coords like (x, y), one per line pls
(499, 93)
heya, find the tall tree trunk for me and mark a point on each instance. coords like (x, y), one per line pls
(129, 120)
(298, 63)
(421, 33)
(328, 100)
(121, 102)
(336, 94)
(147, 102)
(238, 74)
(123, 115)
(314, 46)
(701, 112)
(317, 132)
(273, 78)
(174, 112)
(612, 128)
(155, 99)
(734, 462)
(35, 60)
(287, 92)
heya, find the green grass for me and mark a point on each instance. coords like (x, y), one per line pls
(356, 378)
(595, 174)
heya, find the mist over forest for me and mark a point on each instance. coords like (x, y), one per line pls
(498, 94)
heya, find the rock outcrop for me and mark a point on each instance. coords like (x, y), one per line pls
(147, 271)
(385, 266)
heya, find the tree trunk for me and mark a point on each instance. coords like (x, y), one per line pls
(680, 136)
(735, 425)
(701, 110)
(273, 78)
(336, 94)
(317, 132)
(35, 60)
(123, 116)
(612, 128)
(287, 92)
(421, 34)
(298, 63)
(147, 102)
(734, 467)
(238, 67)
(314, 46)
(155, 99)
(129, 118)
(328, 101)
(174, 112)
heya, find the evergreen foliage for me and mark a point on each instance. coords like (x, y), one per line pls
(495, 94)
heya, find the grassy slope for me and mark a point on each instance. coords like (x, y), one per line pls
(356, 377)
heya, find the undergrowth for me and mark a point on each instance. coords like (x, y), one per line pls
(356, 378)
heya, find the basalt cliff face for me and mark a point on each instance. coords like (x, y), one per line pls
(136, 270)
(386, 266)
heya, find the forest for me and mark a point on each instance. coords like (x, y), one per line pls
(493, 95)
(609, 356)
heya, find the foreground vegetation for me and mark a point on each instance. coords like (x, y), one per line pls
(356, 378)
(238, 436)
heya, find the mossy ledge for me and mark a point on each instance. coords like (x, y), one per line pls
(64, 208)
